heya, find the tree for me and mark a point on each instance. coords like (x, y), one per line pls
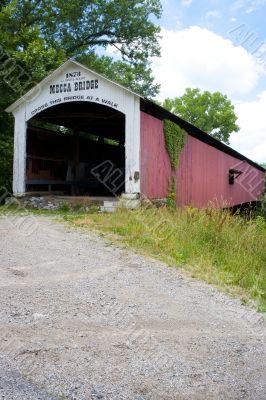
(136, 77)
(211, 112)
(39, 35)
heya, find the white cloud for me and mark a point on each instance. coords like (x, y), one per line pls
(251, 139)
(186, 3)
(197, 57)
(248, 5)
(213, 14)
(249, 10)
(239, 4)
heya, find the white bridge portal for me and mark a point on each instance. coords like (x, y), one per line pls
(95, 110)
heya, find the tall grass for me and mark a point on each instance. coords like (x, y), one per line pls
(213, 245)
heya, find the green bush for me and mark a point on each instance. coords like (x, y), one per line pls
(64, 207)
(6, 162)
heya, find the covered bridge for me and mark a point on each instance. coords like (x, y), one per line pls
(79, 133)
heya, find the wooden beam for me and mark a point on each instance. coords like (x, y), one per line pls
(82, 115)
(76, 159)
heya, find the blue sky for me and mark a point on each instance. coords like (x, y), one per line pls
(217, 15)
(218, 45)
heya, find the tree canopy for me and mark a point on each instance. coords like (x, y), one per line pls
(41, 34)
(211, 112)
(137, 77)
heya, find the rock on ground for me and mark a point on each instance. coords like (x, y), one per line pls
(83, 319)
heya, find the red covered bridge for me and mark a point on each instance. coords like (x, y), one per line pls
(209, 172)
(80, 133)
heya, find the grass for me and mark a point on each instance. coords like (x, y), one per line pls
(212, 245)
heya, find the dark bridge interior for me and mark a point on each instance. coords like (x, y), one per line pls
(76, 148)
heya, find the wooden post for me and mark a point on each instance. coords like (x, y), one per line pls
(76, 161)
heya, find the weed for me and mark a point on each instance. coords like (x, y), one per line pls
(64, 207)
(76, 207)
(171, 196)
(94, 208)
(213, 245)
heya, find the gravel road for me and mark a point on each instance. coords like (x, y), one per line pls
(83, 319)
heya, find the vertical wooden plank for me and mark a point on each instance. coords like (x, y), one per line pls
(202, 173)
(155, 163)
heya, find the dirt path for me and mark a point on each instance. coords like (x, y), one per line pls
(82, 319)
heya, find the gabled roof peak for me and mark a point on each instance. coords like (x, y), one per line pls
(49, 77)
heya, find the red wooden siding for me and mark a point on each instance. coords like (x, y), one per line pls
(155, 163)
(202, 174)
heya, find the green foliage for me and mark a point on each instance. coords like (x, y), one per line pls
(64, 207)
(261, 208)
(211, 112)
(41, 33)
(6, 150)
(6, 162)
(213, 245)
(171, 196)
(137, 77)
(175, 139)
(260, 223)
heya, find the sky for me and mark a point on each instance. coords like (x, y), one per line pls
(218, 45)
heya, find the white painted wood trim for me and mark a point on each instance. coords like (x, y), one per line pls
(19, 163)
(132, 147)
(60, 89)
